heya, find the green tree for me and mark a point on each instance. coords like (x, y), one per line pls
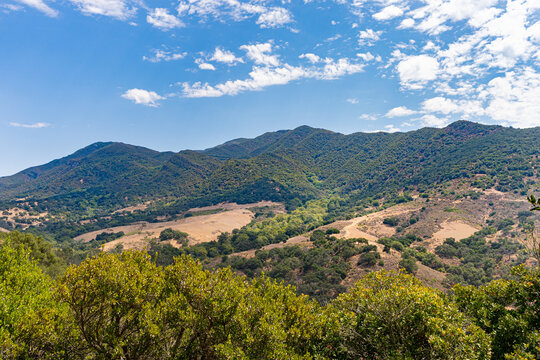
(509, 311)
(32, 323)
(218, 315)
(409, 265)
(116, 301)
(39, 250)
(390, 315)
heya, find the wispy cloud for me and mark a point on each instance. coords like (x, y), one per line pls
(265, 75)
(161, 19)
(41, 6)
(164, 55)
(119, 9)
(38, 125)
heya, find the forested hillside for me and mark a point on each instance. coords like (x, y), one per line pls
(299, 164)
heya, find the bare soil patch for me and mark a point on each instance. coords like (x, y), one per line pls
(451, 229)
(371, 227)
(278, 207)
(202, 228)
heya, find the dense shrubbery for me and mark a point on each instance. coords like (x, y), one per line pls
(389, 316)
(316, 271)
(480, 261)
(107, 236)
(124, 306)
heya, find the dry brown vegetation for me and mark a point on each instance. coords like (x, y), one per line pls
(200, 228)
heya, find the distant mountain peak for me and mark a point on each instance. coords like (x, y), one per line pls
(469, 128)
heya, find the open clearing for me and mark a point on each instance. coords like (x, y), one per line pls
(202, 228)
(453, 229)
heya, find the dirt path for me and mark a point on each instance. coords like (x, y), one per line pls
(352, 230)
(371, 227)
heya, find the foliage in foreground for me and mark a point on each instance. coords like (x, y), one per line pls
(124, 306)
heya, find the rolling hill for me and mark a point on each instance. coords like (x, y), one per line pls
(301, 164)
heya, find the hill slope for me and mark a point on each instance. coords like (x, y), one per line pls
(301, 163)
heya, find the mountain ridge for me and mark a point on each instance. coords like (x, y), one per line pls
(300, 163)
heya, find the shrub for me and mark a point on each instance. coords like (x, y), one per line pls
(368, 259)
(391, 221)
(409, 265)
(390, 315)
(170, 234)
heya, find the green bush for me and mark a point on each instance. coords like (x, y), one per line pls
(393, 316)
(391, 221)
(368, 259)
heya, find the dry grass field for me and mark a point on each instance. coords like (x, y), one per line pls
(201, 228)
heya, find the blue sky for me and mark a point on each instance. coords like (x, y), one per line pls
(191, 74)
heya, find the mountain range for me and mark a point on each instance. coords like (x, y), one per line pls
(301, 163)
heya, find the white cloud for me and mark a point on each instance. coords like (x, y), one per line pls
(334, 38)
(534, 32)
(441, 105)
(391, 129)
(259, 78)
(400, 111)
(368, 57)
(264, 76)
(206, 66)
(311, 57)
(406, 23)
(223, 10)
(225, 56)
(164, 55)
(388, 13)
(436, 13)
(514, 98)
(414, 71)
(143, 97)
(368, 37)
(259, 54)
(352, 101)
(334, 69)
(274, 17)
(38, 5)
(369, 117)
(114, 8)
(433, 121)
(161, 18)
(11, 7)
(38, 125)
